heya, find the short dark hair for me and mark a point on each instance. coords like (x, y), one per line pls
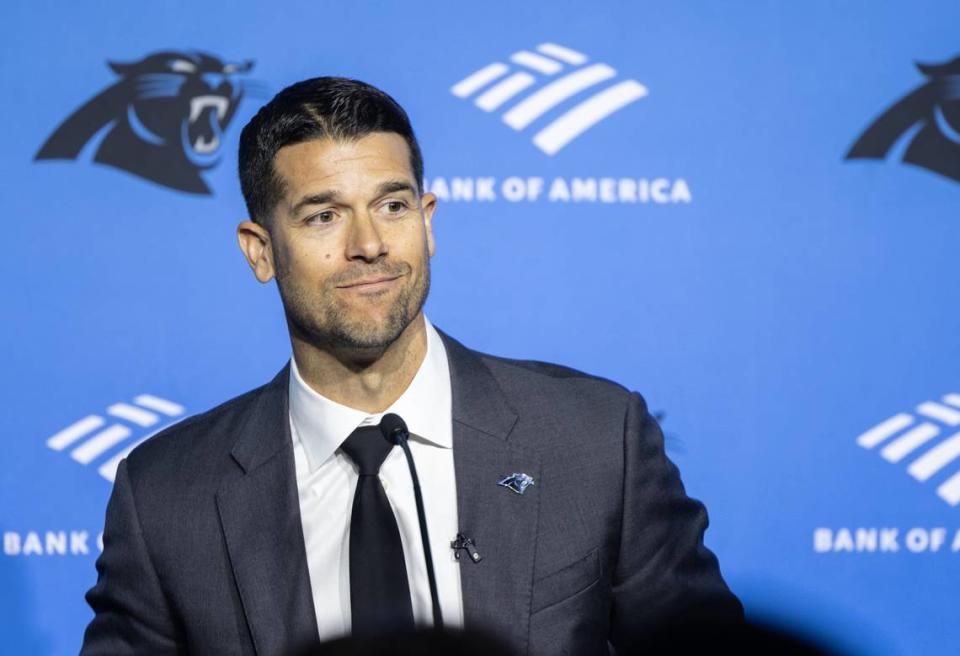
(321, 107)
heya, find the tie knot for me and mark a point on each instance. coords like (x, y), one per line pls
(367, 448)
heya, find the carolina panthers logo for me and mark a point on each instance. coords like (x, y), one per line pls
(162, 121)
(927, 119)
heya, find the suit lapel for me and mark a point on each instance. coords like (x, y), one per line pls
(260, 515)
(497, 590)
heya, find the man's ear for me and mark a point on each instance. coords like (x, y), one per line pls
(254, 241)
(428, 204)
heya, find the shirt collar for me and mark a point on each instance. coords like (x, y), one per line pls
(322, 424)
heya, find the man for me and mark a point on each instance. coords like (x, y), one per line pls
(246, 529)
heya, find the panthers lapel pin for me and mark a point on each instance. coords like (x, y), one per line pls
(518, 482)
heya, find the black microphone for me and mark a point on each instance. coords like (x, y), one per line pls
(394, 429)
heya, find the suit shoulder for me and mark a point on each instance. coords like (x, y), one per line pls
(558, 405)
(196, 436)
(527, 381)
(554, 378)
(549, 369)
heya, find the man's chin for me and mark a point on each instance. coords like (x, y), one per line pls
(373, 334)
(366, 342)
(356, 328)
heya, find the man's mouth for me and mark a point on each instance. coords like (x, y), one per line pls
(369, 283)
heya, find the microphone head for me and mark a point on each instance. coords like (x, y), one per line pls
(394, 428)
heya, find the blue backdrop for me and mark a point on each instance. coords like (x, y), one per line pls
(658, 193)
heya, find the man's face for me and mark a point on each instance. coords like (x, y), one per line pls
(350, 241)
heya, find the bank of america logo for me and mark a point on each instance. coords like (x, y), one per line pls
(96, 437)
(923, 439)
(499, 86)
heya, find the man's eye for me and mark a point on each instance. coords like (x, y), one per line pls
(396, 206)
(322, 217)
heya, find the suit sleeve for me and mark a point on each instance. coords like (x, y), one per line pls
(131, 615)
(664, 574)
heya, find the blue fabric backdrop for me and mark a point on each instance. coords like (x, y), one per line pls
(671, 207)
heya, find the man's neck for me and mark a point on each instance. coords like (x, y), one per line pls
(364, 381)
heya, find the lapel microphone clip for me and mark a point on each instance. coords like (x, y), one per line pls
(466, 544)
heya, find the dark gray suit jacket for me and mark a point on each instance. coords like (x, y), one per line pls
(204, 550)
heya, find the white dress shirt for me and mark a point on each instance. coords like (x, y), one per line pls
(327, 478)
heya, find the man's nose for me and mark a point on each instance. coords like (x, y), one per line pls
(365, 242)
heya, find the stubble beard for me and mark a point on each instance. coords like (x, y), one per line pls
(330, 324)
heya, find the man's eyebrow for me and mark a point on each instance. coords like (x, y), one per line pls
(330, 196)
(393, 186)
(333, 196)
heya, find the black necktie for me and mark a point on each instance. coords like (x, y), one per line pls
(379, 593)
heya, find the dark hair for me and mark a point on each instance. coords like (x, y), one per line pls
(321, 107)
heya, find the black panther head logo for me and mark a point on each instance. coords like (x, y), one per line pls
(162, 121)
(928, 118)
